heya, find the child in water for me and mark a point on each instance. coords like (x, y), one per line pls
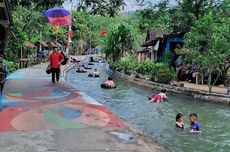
(194, 126)
(110, 82)
(95, 72)
(179, 121)
(159, 98)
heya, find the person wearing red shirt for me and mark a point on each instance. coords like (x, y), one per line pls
(55, 61)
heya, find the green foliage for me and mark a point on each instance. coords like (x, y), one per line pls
(81, 24)
(12, 66)
(29, 24)
(40, 4)
(118, 42)
(152, 19)
(159, 72)
(163, 73)
(208, 45)
(104, 7)
(127, 64)
(146, 67)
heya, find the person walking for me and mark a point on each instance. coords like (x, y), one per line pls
(55, 59)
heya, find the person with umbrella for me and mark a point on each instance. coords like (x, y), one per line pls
(55, 60)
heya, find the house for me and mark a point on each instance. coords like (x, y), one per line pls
(5, 21)
(151, 49)
(157, 45)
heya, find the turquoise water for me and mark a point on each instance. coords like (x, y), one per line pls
(128, 102)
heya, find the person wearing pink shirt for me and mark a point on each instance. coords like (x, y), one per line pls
(110, 83)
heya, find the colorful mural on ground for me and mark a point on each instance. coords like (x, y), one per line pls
(51, 107)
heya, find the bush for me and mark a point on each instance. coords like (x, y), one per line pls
(164, 74)
(128, 65)
(12, 66)
(146, 67)
(159, 72)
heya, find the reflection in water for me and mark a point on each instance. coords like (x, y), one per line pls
(158, 120)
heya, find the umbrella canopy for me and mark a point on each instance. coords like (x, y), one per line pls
(60, 21)
(58, 16)
(57, 12)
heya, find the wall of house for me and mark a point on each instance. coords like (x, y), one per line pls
(143, 56)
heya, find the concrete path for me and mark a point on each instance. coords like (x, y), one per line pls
(38, 116)
(204, 87)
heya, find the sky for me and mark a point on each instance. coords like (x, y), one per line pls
(131, 5)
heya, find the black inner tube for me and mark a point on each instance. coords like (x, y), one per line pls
(107, 87)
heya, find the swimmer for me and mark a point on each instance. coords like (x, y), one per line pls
(95, 72)
(159, 98)
(194, 126)
(179, 121)
(110, 83)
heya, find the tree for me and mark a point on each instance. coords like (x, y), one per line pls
(39, 4)
(187, 12)
(29, 24)
(207, 46)
(118, 42)
(103, 7)
(155, 17)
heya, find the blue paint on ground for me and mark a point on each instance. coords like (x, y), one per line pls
(69, 113)
(16, 75)
(4, 101)
(60, 94)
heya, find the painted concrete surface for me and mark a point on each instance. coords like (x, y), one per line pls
(36, 115)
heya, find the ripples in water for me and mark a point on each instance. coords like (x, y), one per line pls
(158, 120)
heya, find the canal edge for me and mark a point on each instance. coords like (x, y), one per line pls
(197, 94)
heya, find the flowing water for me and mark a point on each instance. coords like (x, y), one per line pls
(128, 102)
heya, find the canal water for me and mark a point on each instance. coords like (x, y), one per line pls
(128, 102)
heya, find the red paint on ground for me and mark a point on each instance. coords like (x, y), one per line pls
(6, 116)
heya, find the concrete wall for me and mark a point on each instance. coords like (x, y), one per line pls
(198, 94)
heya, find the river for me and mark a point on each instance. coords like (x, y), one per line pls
(128, 101)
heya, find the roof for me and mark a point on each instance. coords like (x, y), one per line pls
(43, 43)
(5, 16)
(143, 50)
(55, 44)
(29, 44)
(152, 37)
(174, 34)
(150, 42)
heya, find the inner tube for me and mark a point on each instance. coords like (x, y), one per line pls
(90, 64)
(88, 68)
(80, 71)
(107, 87)
(94, 61)
(91, 75)
(65, 59)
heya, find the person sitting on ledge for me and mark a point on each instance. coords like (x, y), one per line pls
(159, 97)
(110, 83)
